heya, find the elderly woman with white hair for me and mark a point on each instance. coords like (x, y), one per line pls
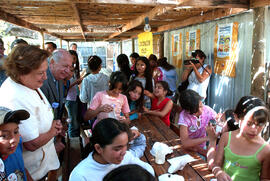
(26, 67)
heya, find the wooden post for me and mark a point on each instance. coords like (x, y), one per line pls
(60, 40)
(121, 47)
(258, 52)
(133, 45)
(68, 45)
(42, 42)
(161, 45)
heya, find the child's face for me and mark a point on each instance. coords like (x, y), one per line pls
(159, 90)
(140, 66)
(115, 152)
(133, 60)
(135, 94)
(117, 89)
(250, 128)
(9, 138)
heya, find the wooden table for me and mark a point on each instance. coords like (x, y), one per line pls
(155, 130)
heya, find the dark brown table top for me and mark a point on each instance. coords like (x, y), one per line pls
(156, 131)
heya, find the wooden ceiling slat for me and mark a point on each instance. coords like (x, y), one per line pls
(77, 16)
(19, 22)
(134, 2)
(138, 21)
(259, 3)
(212, 15)
(215, 3)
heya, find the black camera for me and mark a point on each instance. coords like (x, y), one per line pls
(193, 60)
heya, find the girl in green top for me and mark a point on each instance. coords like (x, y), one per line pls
(243, 155)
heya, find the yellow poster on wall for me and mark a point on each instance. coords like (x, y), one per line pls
(225, 49)
(193, 41)
(145, 41)
(177, 50)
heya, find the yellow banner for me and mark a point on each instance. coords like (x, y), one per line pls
(225, 49)
(145, 41)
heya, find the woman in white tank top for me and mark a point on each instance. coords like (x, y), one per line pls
(200, 74)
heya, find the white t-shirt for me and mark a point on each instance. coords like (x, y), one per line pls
(195, 85)
(89, 169)
(16, 96)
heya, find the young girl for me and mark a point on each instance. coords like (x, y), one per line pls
(143, 74)
(135, 98)
(156, 71)
(108, 151)
(110, 103)
(193, 121)
(243, 154)
(161, 105)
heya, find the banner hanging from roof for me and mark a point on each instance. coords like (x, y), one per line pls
(145, 41)
(193, 40)
(177, 50)
(225, 49)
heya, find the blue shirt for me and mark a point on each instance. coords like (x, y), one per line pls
(14, 164)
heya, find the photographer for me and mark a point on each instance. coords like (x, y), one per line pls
(197, 73)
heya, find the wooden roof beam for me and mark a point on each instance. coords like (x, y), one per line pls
(259, 3)
(158, 10)
(212, 15)
(214, 3)
(20, 22)
(77, 16)
(131, 2)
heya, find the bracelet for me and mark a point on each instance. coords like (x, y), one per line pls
(216, 170)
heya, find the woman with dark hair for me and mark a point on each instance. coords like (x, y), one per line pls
(108, 150)
(123, 64)
(156, 72)
(193, 121)
(198, 74)
(169, 73)
(142, 73)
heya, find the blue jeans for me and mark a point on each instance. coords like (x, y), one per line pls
(74, 126)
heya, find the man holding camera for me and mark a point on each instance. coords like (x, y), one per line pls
(197, 73)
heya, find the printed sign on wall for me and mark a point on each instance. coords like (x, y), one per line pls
(145, 41)
(193, 40)
(225, 49)
(177, 49)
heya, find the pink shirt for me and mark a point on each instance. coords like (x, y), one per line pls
(197, 126)
(119, 103)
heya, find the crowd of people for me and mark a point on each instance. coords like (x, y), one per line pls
(43, 97)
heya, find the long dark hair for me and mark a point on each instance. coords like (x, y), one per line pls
(123, 64)
(77, 64)
(147, 73)
(118, 77)
(133, 172)
(105, 132)
(165, 86)
(162, 62)
(132, 85)
(189, 101)
(247, 103)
